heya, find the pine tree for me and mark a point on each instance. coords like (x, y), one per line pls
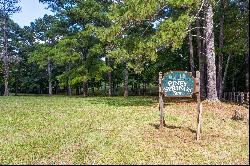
(7, 8)
(46, 32)
(221, 46)
(132, 34)
(210, 53)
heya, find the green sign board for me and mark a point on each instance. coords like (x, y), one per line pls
(178, 84)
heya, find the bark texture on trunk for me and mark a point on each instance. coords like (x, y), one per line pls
(210, 54)
(145, 89)
(85, 88)
(191, 51)
(126, 80)
(221, 46)
(50, 76)
(5, 58)
(85, 83)
(110, 78)
(93, 88)
(224, 78)
(202, 61)
(198, 39)
(110, 84)
(247, 58)
(247, 71)
(69, 78)
(233, 75)
(69, 90)
(78, 90)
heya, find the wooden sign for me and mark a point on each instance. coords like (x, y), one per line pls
(178, 84)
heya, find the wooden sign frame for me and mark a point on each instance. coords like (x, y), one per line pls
(199, 103)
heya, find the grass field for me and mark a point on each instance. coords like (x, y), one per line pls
(99, 130)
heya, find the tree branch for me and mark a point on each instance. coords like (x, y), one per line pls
(199, 37)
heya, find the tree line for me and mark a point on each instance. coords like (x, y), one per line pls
(112, 44)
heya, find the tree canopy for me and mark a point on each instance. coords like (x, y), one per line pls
(116, 44)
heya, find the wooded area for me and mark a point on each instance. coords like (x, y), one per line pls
(109, 82)
(110, 47)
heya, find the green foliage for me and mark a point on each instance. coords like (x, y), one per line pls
(236, 30)
(64, 51)
(172, 33)
(41, 55)
(133, 37)
(9, 7)
(150, 35)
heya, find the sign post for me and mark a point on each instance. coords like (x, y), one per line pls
(179, 84)
(199, 108)
(161, 102)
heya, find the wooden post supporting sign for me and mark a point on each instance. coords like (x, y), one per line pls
(161, 102)
(199, 109)
(180, 84)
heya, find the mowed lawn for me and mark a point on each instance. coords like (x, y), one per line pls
(117, 130)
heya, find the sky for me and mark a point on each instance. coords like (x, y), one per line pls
(31, 10)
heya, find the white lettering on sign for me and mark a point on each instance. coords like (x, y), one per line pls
(177, 87)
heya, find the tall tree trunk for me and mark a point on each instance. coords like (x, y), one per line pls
(110, 77)
(247, 71)
(247, 57)
(210, 54)
(224, 77)
(40, 89)
(221, 46)
(110, 84)
(126, 79)
(5, 58)
(77, 90)
(85, 82)
(69, 90)
(202, 60)
(139, 88)
(133, 86)
(191, 51)
(85, 88)
(198, 39)
(69, 78)
(50, 76)
(105, 88)
(57, 89)
(93, 88)
(234, 74)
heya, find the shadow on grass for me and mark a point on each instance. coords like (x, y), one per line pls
(123, 101)
(136, 100)
(111, 101)
(157, 126)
